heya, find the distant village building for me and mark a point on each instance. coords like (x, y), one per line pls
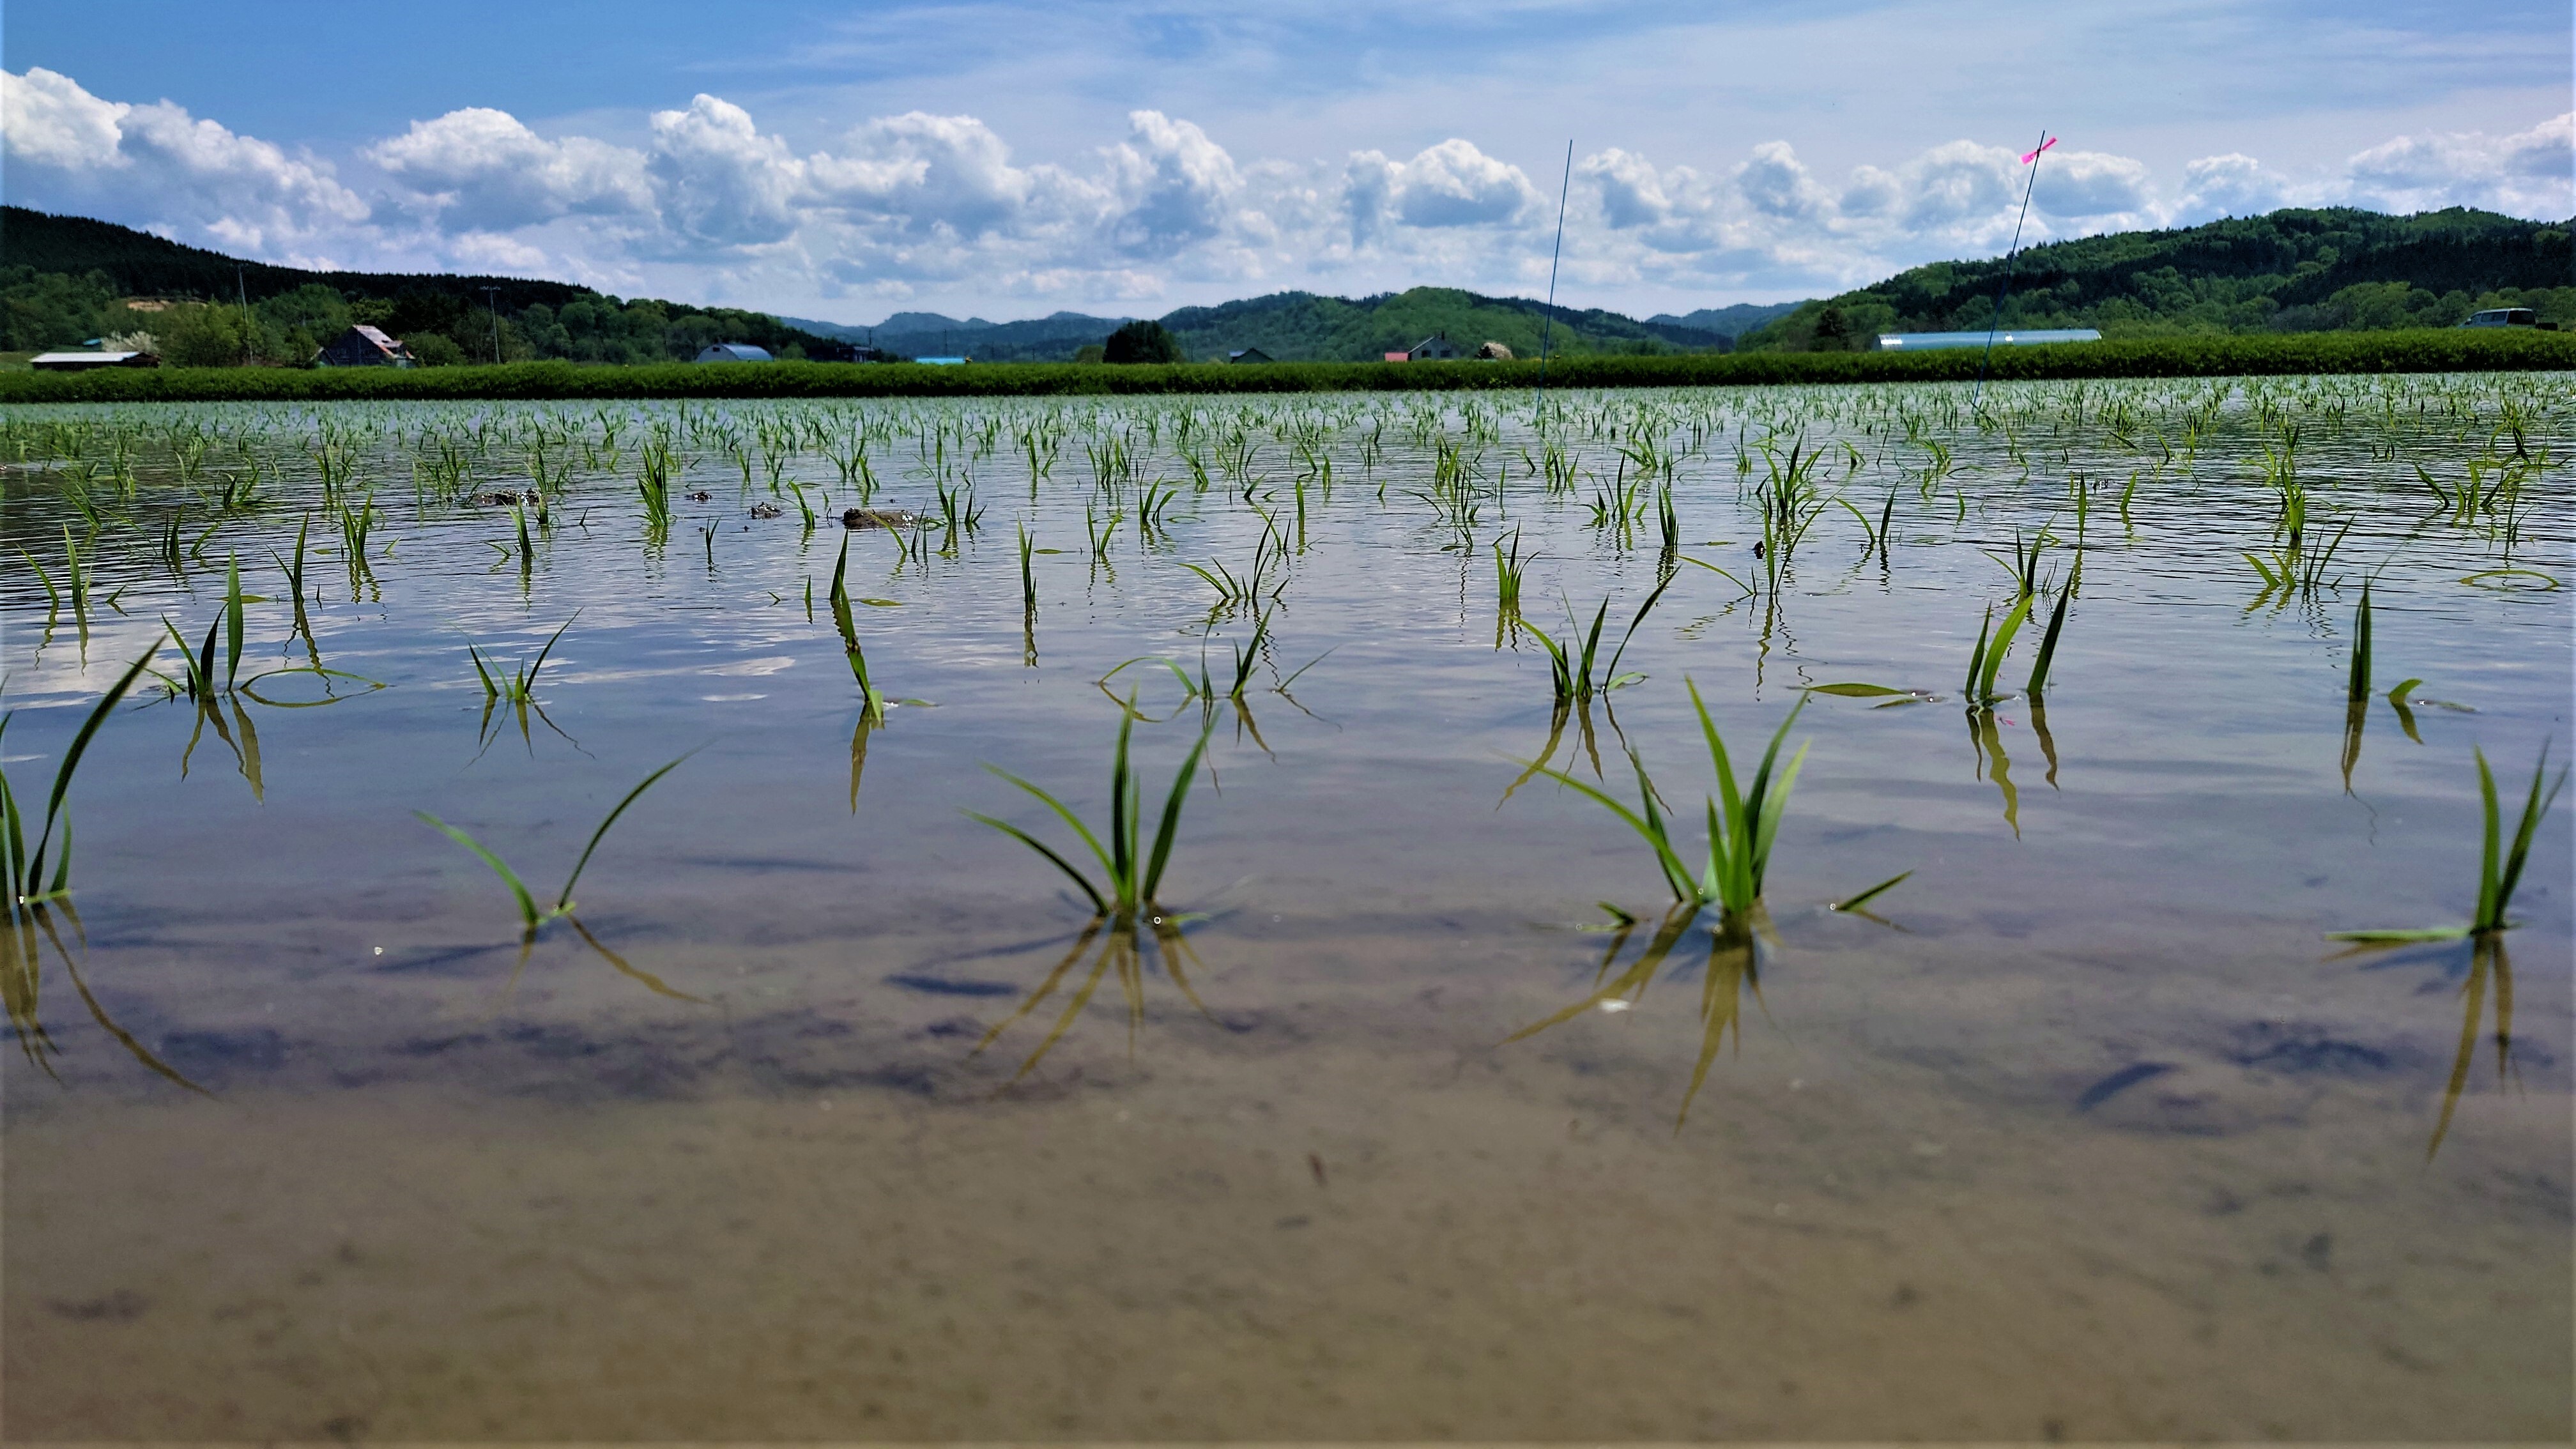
(943, 361)
(89, 361)
(2009, 337)
(1494, 352)
(735, 352)
(1435, 348)
(363, 346)
(1248, 354)
(1399, 357)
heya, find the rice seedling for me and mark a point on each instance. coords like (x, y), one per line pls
(1509, 570)
(1987, 659)
(1254, 584)
(2048, 639)
(2500, 865)
(518, 685)
(23, 866)
(1874, 536)
(532, 917)
(1570, 666)
(872, 705)
(1131, 870)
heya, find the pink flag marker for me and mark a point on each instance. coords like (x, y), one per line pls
(2044, 145)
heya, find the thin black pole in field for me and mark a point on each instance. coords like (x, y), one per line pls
(492, 295)
(1996, 323)
(1547, 323)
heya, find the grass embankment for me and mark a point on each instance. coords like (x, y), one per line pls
(2445, 350)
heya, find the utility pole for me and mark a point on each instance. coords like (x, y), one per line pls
(241, 282)
(493, 296)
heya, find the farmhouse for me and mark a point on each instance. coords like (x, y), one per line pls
(1435, 348)
(734, 352)
(362, 346)
(1247, 354)
(2009, 337)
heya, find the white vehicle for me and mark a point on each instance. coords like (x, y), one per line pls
(2507, 317)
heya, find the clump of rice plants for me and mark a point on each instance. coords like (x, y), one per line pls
(1742, 823)
(1131, 870)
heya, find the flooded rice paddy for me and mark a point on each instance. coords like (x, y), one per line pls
(1410, 1099)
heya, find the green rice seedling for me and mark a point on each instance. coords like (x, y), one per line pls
(1874, 537)
(803, 507)
(1987, 659)
(2292, 572)
(75, 579)
(23, 866)
(1570, 669)
(1254, 584)
(531, 916)
(872, 705)
(519, 685)
(2357, 689)
(356, 522)
(1509, 570)
(1742, 824)
(2048, 640)
(1131, 870)
(2499, 865)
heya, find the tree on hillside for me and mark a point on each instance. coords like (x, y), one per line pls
(1143, 341)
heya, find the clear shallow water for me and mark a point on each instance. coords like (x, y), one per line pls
(2089, 1133)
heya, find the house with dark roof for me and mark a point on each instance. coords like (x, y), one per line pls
(1435, 348)
(363, 346)
(1248, 354)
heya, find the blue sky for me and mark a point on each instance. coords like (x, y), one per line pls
(1007, 159)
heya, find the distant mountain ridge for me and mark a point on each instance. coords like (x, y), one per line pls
(1305, 327)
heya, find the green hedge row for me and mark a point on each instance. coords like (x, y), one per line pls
(2446, 350)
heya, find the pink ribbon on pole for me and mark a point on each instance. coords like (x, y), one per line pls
(2044, 145)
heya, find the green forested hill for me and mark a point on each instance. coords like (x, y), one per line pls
(2289, 271)
(64, 279)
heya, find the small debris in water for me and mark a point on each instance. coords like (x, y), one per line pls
(1616, 1006)
(877, 518)
(765, 510)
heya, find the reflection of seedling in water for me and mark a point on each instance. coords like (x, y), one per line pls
(533, 918)
(1121, 951)
(1733, 967)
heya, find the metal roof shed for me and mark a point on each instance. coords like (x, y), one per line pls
(2005, 337)
(734, 352)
